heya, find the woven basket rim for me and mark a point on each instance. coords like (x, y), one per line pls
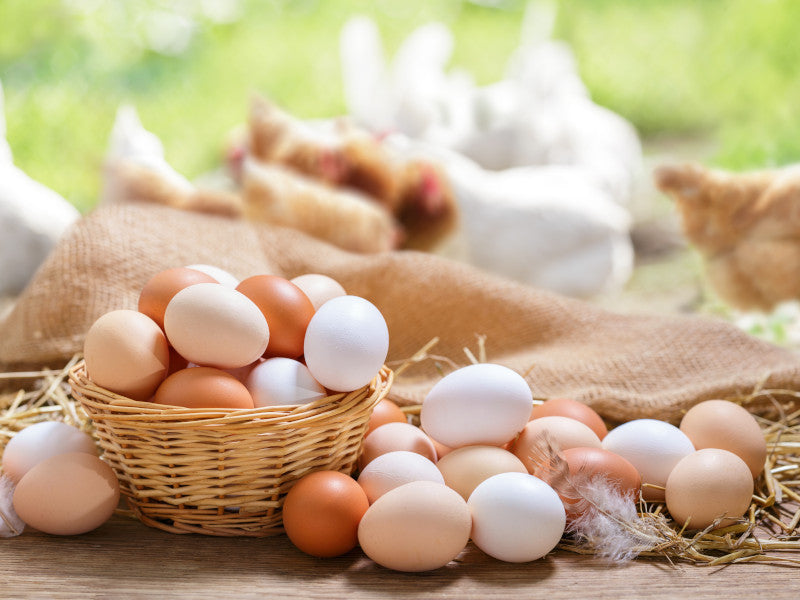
(86, 390)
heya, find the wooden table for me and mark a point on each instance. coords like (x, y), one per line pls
(125, 559)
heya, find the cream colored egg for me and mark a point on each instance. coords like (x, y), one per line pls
(319, 288)
(67, 494)
(465, 468)
(39, 442)
(394, 469)
(212, 325)
(562, 432)
(419, 526)
(707, 485)
(127, 353)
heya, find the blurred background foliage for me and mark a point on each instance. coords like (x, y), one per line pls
(720, 71)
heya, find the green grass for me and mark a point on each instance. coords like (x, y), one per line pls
(722, 69)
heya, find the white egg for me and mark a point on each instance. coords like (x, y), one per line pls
(39, 442)
(516, 517)
(346, 343)
(221, 275)
(480, 404)
(282, 382)
(393, 469)
(653, 447)
(319, 288)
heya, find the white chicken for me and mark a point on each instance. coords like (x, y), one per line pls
(32, 219)
(541, 173)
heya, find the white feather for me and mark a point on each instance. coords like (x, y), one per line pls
(10, 524)
(611, 525)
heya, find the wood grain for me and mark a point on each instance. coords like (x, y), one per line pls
(125, 559)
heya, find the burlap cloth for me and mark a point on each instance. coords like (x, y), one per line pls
(624, 366)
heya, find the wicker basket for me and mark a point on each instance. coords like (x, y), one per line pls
(223, 472)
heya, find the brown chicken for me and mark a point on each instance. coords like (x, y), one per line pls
(415, 192)
(746, 226)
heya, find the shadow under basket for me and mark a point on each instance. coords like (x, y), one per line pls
(217, 471)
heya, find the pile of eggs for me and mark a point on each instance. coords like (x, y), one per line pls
(57, 482)
(473, 470)
(202, 339)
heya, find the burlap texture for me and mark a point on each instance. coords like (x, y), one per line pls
(624, 366)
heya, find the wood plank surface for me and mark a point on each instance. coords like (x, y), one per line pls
(125, 559)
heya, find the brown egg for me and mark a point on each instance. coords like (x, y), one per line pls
(322, 511)
(706, 485)
(385, 411)
(287, 310)
(729, 426)
(203, 387)
(67, 494)
(176, 361)
(565, 407)
(126, 353)
(419, 526)
(160, 289)
(588, 463)
(562, 431)
(396, 436)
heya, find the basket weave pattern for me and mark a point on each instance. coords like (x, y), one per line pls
(217, 471)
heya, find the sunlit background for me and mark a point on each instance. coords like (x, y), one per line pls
(717, 79)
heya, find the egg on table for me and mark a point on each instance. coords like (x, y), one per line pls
(481, 404)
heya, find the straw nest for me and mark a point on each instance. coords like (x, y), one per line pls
(769, 533)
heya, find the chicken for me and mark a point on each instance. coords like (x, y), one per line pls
(413, 191)
(32, 219)
(135, 170)
(746, 226)
(274, 194)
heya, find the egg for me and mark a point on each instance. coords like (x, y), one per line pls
(396, 436)
(384, 412)
(729, 426)
(283, 382)
(561, 431)
(212, 325)
(419, 526)
(39, 442)
(322, 512)
(203, 387)
(653, 447)
(67, 494)
(706, 485)
(586, 464)
(441, 449)
(287, 311)
(127, 353)
(565, 407)
(346, 343)
(393, 469)
(481, 404)
(465, 468)
(219, 275)
(516, 517)
(161, 287)
(319, 288)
